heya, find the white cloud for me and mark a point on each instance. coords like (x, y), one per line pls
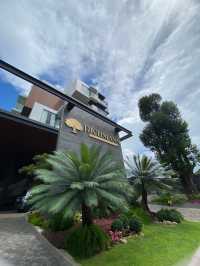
(130, 48)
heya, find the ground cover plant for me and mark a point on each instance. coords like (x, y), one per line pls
(174, 243)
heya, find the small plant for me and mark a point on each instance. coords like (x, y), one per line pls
(86, 241)
(169, 215)
(125, 221)
(58, 223)
(77, 218)
(140, 213)
(117, 225)
(195, 197)
(37, 219)
(169, 199)
(135, 224)
(115, 236)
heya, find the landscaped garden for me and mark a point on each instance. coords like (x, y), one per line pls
(161, 245)
(86, 205)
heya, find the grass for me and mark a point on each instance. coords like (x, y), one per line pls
(161, 245)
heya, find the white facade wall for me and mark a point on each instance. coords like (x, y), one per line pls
(36, 112)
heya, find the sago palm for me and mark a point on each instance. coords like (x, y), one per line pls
(79, 182)
(147, 175)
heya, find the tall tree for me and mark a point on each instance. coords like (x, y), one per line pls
(166, 134)
(146, 176)
(80, 183)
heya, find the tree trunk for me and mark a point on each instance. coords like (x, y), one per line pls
(86, 215)
(145, 200)
(188, 184)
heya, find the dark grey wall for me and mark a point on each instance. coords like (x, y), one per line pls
(71, 141)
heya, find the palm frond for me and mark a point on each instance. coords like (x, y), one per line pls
(88, 178)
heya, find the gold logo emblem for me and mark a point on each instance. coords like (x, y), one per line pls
(74, 124)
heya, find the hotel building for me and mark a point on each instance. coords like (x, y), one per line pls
(43, 122)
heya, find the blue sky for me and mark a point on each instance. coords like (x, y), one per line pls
(129, 48)
(8, 95)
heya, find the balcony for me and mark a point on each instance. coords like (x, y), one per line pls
(94, 97)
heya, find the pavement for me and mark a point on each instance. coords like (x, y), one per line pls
(22, 245)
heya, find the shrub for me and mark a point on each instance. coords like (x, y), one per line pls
(179, 198)
(77, 218)
(58, 223)
(125, 221)
(104, 223)
(169, 199)
(195, 197)
(135, 224)
(86, 241)
(140, 213)
(117, 225)
(115, 236)
(37, 219)
(169, 215)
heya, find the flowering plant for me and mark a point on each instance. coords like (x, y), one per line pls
(115, 236)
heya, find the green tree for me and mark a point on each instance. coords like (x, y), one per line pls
(166, 134)
(146, 176)
(80, 183)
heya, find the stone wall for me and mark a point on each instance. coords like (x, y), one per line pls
(67, 139)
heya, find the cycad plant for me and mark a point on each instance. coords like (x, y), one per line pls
(80, 182)
(147, 175)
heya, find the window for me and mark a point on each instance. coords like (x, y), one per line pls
(48, 118)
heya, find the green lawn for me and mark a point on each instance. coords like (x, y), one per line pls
(161, 245)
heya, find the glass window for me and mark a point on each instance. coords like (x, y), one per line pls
(44, 115)
(48, 118)
(52, 119)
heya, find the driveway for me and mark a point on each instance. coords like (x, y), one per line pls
(22, 245)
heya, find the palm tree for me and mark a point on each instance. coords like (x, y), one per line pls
(147, 175)
(80, 183)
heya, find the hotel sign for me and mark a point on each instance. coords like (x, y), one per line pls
(76, 126)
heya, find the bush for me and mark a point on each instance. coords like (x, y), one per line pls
(169, 215)
(135, 224)
(117, 225)
(115, 236)
(140, 213)
(57, 223)
(86, 241)
(125, 221)
(37, 219)
(195, 197)
(169, 199)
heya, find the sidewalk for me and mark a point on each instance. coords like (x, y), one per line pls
(22, 245)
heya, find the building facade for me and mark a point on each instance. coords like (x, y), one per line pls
(43, 122)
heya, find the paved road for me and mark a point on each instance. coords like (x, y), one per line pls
(191, 214)
(22, 245)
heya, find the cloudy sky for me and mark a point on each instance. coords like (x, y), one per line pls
(130, 48)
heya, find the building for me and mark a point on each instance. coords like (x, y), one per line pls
(45, 121)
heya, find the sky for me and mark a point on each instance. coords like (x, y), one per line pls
(128, 48)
